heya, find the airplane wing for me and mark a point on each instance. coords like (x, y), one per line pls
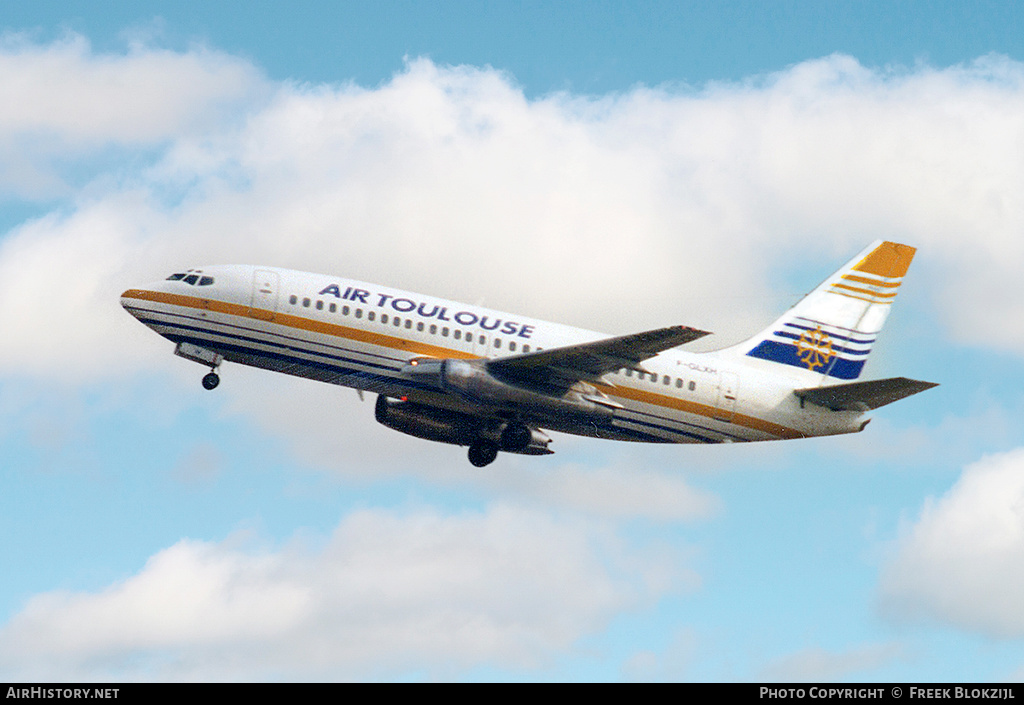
(862, 396)
(563, 367)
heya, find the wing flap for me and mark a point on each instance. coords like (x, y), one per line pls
(862, 396)
(591, 360)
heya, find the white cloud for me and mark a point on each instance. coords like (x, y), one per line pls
(67, 92)
(962, 561)
(60, 291)
(626, 212)
(388, 593)
(631, 211)
(62, 102)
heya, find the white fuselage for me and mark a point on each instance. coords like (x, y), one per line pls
(364, 336)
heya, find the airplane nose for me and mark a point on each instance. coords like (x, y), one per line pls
(130, 299)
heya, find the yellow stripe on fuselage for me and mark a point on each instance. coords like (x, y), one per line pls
(298, 322)
(418, 348)
(691, 407)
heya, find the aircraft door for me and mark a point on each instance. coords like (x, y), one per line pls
(728, 384)
(265, 287)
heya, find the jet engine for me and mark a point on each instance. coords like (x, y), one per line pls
(447, 426)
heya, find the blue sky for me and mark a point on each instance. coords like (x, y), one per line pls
(617, 166)
(580, 46)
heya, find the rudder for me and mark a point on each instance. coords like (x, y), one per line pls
(831, 330)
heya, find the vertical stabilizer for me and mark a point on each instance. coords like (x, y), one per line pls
(832, 329)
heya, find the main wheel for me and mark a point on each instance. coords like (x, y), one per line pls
(211, 380)
(482, 453)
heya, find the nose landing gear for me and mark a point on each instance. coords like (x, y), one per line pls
(203, 357)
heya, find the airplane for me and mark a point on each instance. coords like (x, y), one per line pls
(497, 382)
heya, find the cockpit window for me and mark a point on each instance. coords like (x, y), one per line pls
(195, 277)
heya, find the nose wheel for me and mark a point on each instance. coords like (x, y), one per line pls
(211, 380)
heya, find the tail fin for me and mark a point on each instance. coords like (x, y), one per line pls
(831, 330)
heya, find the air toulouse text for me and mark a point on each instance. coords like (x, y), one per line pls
(402, 305)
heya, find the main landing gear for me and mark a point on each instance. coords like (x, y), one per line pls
(482, 452)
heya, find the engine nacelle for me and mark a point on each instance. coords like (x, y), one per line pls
(471, 380)
(447, 426)
(426, 422)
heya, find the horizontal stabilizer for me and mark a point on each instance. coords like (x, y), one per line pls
(862, 396)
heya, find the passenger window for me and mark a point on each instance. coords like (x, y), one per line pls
(444, 331)
(293, 299)
(526, 348)
(679, 383)
(371, 315)
(383, 318)
(693, 385)
(398, 322)
(359, 313)
(629, 373)
(497, 342)
(433, 329)
(408, 323)
(344, 310)
(419, 326)
(333, 308)
(457, 334)
(512, 345)
(305, 302)
(666, 379)
(319, 305)
(482, 340)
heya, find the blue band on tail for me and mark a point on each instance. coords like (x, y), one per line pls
(785, 354)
